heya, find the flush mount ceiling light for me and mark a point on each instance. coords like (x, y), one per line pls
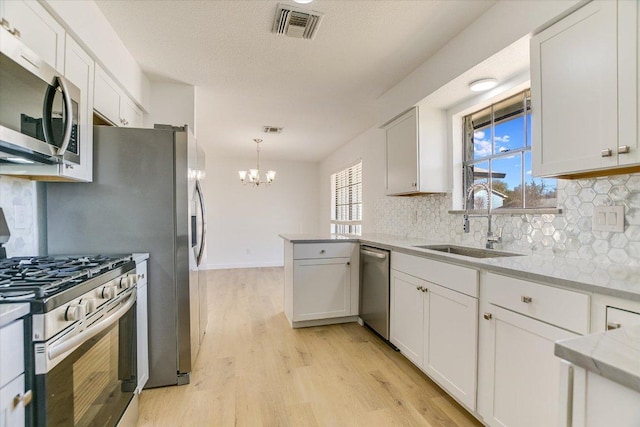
(302, 1)
(253, 176)
(483, 84)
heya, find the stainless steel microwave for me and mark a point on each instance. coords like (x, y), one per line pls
(39, 109)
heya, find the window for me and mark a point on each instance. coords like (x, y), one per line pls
(497, 151)
(346, 201)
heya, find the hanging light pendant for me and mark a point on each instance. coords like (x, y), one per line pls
(253, 176)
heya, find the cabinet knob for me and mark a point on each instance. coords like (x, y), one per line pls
(322, 251)
(526, 300)
(15, 32)
(624, 149)
(5, 24)
(24, 398)
(348, 263)
(613, 325)
(488, 316)
(606, 152)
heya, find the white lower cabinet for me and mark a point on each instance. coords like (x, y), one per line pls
(451, 341)
(323, 288)
(435, 326)
(407, 308)
(12, 413)
(598, 401)
(519, 375)
(521, 381)
(321, 283)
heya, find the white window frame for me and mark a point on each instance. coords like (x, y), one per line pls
(455, 136)
(346, 215)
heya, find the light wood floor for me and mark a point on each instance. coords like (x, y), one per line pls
(254, 370)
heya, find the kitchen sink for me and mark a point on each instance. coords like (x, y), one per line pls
(466, 251)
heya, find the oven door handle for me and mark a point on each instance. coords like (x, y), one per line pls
(60, 348)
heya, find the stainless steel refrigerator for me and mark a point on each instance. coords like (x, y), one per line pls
(146, 196)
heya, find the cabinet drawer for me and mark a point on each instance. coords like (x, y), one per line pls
(461, 279)
(11, 351)
(322, 250)
(617, 318)
(560, 307)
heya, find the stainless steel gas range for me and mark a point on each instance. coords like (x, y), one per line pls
(81, 337)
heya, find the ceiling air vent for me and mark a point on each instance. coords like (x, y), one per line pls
(294, 22)
(271, 129)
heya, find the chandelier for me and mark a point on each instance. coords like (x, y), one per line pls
(253, 176)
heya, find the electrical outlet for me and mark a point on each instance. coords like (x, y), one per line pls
(608, 218)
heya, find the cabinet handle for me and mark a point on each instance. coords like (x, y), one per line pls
(24, 398)
(606, 152)
(488, 316)
(526, 300)
(15, 32)
(419, 288)
(5, 24)
(613, 325)
(624, 149)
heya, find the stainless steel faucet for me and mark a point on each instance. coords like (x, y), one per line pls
(491, 239)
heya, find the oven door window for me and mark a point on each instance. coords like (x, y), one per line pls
(95, 383)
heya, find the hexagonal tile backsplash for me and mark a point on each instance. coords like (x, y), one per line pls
(567, 234)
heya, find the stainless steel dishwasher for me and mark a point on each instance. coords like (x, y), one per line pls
(374, 289)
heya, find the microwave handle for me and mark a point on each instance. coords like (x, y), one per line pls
(47, 113)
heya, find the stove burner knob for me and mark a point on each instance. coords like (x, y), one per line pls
(109, 292)
(124, 283)
(75, 312)
(91, 304)
(133, 279)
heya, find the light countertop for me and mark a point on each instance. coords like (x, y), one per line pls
(11, 312)
(583, 275)
(614, 355)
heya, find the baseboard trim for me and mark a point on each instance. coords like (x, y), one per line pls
(243, 265)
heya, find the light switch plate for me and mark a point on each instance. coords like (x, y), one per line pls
(608, 218)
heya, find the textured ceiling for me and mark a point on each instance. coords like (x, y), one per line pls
(321, 91)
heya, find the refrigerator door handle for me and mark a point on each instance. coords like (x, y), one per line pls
(203, 234)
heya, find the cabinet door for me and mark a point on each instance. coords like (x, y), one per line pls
(402, 154)
(12, 415)
(450, 342)
(130, 114)
(407, 323)
(80, 69)
(107, 97)
(322, 288)
(574, 92)
(628, 82)
(38, 30)
(524, 378)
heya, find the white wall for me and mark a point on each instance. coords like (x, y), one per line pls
(500, 26)
(171, 104)
(369, 147)
(244, 222)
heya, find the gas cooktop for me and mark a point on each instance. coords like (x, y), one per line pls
(37, 279)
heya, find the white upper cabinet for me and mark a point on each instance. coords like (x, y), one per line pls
(113, 104)
(33, 25)
(584, 89)
(416, 153)
(80, 68)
